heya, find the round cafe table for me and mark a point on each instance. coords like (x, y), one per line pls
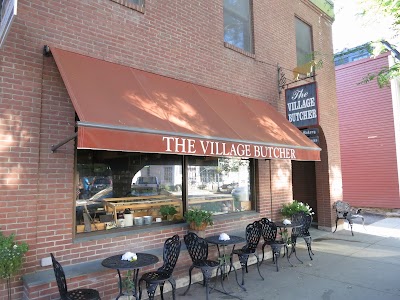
(115, 262)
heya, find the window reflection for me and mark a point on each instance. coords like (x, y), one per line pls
(219, 185)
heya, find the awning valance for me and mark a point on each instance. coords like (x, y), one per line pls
(126, 109)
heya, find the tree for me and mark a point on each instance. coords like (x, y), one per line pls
(372, 11)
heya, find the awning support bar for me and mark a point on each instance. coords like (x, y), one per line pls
(55, 147)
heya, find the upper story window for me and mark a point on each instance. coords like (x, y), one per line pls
(238, 29)
(134, 4)
(303, 42)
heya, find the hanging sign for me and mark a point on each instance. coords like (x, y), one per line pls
(301, 105)
(312, 134)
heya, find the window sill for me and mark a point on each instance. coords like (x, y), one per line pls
(241, 51)
(127, 3)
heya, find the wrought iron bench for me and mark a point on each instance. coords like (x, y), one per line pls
(345, 212)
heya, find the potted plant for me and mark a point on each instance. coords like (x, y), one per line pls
(198, 219)
(289, 209)
(11, 255)
(168, 212)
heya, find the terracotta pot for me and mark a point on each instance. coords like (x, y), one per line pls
(202, 226)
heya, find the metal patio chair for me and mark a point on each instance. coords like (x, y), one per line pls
(253, 235)
(198, 251)
(77, 294)
(172, 248)
(269, 231)
(301, 231)
(345, 212)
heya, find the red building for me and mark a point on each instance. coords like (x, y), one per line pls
(150, 104)
(368, 122)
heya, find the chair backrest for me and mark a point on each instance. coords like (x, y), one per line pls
(172, 248)
(196, 246)
(303, 219)
(253, 234)
(342, 209)
(60, 277)
(268, 230)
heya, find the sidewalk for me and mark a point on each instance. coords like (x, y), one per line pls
(366, 266)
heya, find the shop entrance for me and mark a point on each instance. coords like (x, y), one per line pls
(304, 184)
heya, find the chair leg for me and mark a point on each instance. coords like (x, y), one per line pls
(173, 285)
(351, 227)
(308, 242)
(262, 260)
(294, 241)
(337, 219)
(243, 262)
(190, 280)
(258, 268)
(162, 290)
(140, 290)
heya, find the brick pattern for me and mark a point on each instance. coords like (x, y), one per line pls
(182, 39)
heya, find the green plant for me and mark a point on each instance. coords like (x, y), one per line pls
(11, 256)
(168, 210)
(199, 217)
(294, 207)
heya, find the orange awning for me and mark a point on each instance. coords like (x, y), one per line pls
(126, 109)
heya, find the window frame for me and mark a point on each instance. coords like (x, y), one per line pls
(233, 46)
(184, 197)
(301, 61)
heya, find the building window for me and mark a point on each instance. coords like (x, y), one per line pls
(109, 182)
(303, 43)
(238, 29)
(134, 4)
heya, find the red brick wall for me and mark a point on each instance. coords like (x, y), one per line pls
(181, 39)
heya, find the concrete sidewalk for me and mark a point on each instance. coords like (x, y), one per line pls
(366, 266)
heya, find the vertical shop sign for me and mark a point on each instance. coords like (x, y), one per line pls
(301, 105)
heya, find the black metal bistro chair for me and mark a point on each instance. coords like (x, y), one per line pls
(269, 231)
(345, 212)
(253, 235)
(172, 248)
(301, 231)
(78, 294)
(198, 251)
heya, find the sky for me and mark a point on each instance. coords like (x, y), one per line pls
(350, 30)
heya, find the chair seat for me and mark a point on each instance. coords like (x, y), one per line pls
(83, 294)
(206, 263)
(243, 251)
(153, 277)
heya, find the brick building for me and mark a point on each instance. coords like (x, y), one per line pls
(184, 92)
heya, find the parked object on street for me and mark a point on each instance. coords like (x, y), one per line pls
(345, 212)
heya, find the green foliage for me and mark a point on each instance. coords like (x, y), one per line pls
(11, 255)
(168, 210)
(199, 217)
(374, 11)
(291, 208)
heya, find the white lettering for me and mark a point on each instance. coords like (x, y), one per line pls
(191, 144)
(168, 142)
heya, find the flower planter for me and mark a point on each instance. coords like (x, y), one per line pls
(193, 226)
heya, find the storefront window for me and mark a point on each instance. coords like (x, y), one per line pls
(219, 185)
(112, 184)
(119, 189)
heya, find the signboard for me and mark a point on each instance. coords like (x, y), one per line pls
(312, 134)
(301, 105)
(8, 11)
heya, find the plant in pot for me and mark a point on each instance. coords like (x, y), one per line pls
(168, 212)
(11, 256)
(198, 219)
(289, 209)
